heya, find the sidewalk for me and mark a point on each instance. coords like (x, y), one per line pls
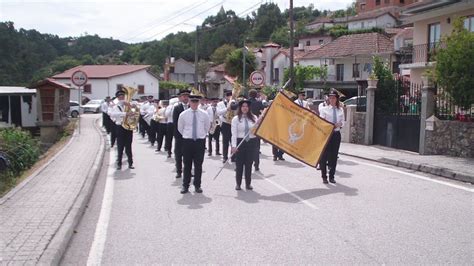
(461, 169)
(39, 215)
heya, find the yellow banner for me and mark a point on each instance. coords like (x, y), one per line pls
(295, 130)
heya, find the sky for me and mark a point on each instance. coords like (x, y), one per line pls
(128, 20)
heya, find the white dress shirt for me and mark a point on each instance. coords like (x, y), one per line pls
(161, 112)
(149, 112)
(302, 103)
(211, 111)
(144, 107)
(321, 106)
(185, 123)
(117, 114)
(238, 129)
(327, 114)
(222, 109)
(104, 106)
(169, 113)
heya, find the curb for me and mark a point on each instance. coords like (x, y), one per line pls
(438, 171)
(58, 244)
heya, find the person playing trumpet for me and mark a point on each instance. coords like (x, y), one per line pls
(215, 131)
(124, 136)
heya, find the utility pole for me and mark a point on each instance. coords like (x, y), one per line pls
(244, 52)
(196, 85)
(292, 48)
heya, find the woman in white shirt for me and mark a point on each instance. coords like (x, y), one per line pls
(241, 127)
(333, 113)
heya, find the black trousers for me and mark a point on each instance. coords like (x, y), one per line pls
(124, 141)
(244, 159)
(193, 155)
(215, 136)
(151, 131)
(226, 138)
(113, 133)
(106, 122)
(256, 160)
(178, 153)
(277, 152)
(329, 157)
(169, 137)
(160, 134)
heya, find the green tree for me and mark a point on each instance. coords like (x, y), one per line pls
(267, 19)
(234, 64)
(220, 54)
(305, 73)
(281, 36)
(386, 94)
(454, 65)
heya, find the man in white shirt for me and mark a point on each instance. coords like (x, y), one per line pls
(301, 100)
(215, 123)
(179, 107)
(124, 136)
(169, 127)
(161, 124)
(323, 104)
(193, 125)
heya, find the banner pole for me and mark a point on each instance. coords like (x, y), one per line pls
(225, 163)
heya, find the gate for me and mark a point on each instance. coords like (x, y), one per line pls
(397, 116)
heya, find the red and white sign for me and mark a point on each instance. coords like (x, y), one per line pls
(257, 78)
(79, 78)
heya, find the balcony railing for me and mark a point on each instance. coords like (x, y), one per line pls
(421, 53)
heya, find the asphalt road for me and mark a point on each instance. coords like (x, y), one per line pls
(375, 214)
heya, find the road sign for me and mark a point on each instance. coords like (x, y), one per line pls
(257, 78)
(79, 78)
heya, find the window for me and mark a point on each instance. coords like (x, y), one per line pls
(119, 87)
(276, 75)
(377, 2)
(355, 70)
(308, 43)
(141, 89)
(434, 33)
(87, 88)
(469, 23)
(362, 7)
(340, 72)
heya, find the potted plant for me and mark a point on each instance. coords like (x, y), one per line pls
(428, 78)
(372, 80)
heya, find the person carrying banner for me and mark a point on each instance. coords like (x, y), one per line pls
(242, 123)
(333, 113)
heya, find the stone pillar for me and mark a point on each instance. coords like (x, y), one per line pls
(427, 110)
(369, 118)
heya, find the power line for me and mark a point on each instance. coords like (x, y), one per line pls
(155, 22)
(184, 21)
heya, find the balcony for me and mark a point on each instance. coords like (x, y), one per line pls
(419, 56)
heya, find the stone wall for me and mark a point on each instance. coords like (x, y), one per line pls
(451, 138)
(358, 128)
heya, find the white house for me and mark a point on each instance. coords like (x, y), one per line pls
(375, 19)
(281, 61)
(179, 70)
(105, 80)
(18, 107)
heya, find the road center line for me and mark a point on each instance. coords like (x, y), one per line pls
(413, 175)
(282, 188)
(100, 236)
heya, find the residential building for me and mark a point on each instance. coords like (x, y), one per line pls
(179, 70)
(370, 5)
(325, 22)
(432, 20)
(374, 19)
(349, 61)
(105, 80)
(313, 41)
(217, 81)
(281, 61)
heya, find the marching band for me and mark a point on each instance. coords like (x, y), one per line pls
(189, 119)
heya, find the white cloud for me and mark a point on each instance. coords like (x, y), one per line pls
(130, 21)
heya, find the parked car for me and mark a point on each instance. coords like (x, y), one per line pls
(92, 106)
(357, 100)
(74, 109)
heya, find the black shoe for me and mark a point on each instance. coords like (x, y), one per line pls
(275, 158)
(281, 159)
(119, 167)
(158, 150)
(130, 166)
(218, 154)
(257, 169)
(248, 187)
(178, 175)
(325, 180)
(209, 154)
(169, 155)
(198, 190)
(332, 180)
(184, 190)
(111, 146)
(224, 160)
(237, 187)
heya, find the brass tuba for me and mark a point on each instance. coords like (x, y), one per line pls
(130, 120)
(236, 90)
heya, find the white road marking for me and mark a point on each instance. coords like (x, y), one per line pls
(412, 175)
(282, 188)
(100, 236)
